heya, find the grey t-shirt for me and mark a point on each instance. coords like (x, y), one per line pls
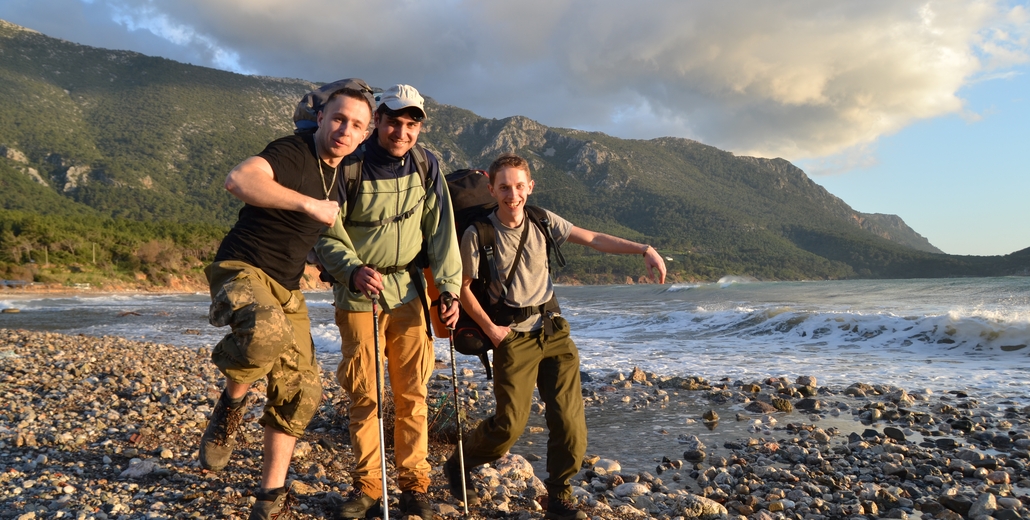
(532, 284)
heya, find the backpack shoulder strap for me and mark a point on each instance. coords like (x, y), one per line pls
(487, 252)
(421, 164)
(351, 179)
(539, 217)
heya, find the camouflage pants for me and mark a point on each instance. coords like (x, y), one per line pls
(271, 337)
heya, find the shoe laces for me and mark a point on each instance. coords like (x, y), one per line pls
(288, 502)
(563, 504)
(284, 511)
(228, 421)
(355, 494)
(419, 496)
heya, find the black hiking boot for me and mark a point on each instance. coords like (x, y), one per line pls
(273, 505)
(357, 505)
(220, 436)
(452, 470)
(416, 503)
(562, 509)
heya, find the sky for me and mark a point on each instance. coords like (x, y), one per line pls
(913, 108)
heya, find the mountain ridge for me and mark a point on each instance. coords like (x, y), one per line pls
(130, 136)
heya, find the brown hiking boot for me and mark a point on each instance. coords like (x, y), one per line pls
(273, 505)
(416, 503)
(562, 509)
(356, 505)
(220, 436)
(452, 470)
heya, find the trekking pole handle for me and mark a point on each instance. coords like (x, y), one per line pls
(376, 295)
(446, 299)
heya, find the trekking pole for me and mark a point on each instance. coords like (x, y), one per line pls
(379, 404)
(445, 301)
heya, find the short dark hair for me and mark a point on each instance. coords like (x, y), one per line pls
(359, 95)
(509, 160)
(412, 112)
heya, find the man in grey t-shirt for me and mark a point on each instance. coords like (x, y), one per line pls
(533, 351)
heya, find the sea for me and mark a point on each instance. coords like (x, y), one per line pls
(932, 336)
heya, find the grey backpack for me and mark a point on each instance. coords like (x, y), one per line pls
(305, 117)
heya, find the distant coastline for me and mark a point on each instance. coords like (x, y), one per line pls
(185, 284)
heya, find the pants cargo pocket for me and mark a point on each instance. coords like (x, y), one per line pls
(233, 296)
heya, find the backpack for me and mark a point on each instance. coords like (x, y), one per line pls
(472, 203)
(305, 116)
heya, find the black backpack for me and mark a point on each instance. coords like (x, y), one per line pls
(472, 203)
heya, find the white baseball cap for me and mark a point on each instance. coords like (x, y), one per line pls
(399, 97)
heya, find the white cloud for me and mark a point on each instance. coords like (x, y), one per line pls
(146, 17)
(795, 78)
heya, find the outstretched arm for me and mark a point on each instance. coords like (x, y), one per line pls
(253, 182)
(620, 246)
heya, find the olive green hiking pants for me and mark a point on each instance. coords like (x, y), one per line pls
(522, 361)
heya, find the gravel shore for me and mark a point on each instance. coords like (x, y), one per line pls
(107, 428)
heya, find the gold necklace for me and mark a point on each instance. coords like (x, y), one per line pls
(321, 175)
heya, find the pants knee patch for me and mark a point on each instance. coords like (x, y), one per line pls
(233, 296)
(259, 335)
(292, 402)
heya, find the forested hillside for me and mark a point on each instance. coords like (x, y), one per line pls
(119, 151)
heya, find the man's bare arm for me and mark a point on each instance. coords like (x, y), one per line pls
(612, 244)
(253, 182)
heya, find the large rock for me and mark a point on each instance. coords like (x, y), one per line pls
(139, 468)
(694, 506)
(515, 467)
(760, 407)
(608, 466)
(985, 505)
(631, 489)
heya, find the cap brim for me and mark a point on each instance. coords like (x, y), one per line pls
(397, 106)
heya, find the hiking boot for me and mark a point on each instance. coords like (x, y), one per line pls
(220, 436)
(452, 470)
(416, 503)
(562, 509)
(273, 505)
(356, 505)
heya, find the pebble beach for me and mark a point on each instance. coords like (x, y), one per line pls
(107, 428)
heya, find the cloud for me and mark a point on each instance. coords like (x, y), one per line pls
(858, 157)
(795, 78)
(147, 18)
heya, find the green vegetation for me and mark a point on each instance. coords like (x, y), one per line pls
(130, 152)
(53, 249)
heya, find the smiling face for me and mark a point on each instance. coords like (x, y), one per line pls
(342, 126)
(510, 186)
(397, 133)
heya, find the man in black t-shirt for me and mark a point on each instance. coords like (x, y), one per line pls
(290, 196)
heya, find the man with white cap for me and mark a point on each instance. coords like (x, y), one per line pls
(395, 205)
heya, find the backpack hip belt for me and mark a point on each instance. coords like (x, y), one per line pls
(502, 314)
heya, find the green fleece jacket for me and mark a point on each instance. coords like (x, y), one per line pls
(391, 186)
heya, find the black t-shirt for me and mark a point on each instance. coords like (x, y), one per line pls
(275, 240)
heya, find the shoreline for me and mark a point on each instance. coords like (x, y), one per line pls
(175, 285)
(108, 426)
